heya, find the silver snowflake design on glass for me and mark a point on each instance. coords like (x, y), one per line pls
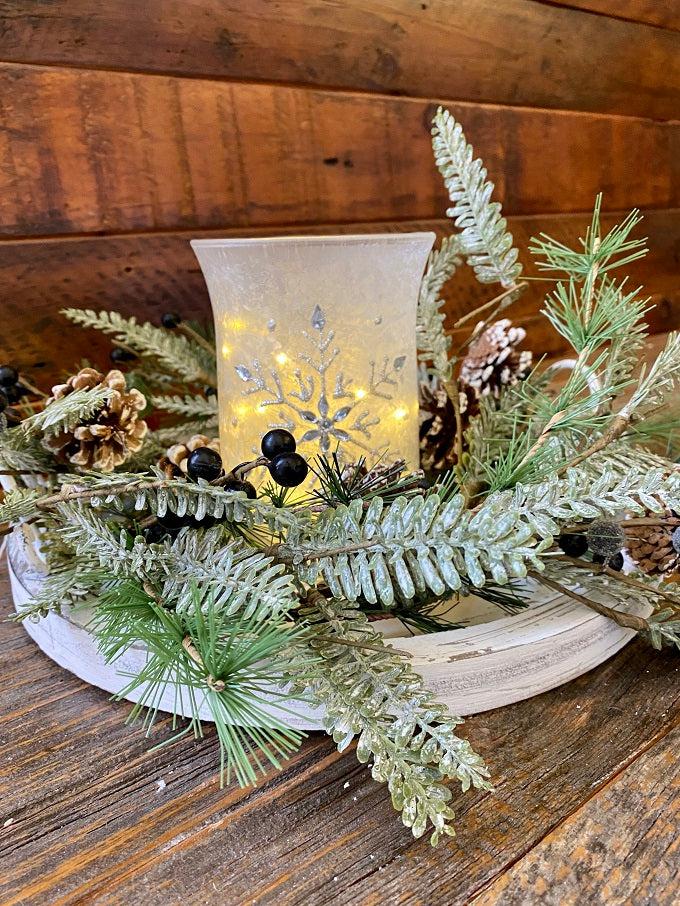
(319, 399)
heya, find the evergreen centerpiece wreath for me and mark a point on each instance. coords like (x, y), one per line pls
(249, 599)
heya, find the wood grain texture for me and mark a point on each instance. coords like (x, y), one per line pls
(662, 13)
(621, 846)
(89, 151)
(84, 820)
(145, 275)
(436, 48)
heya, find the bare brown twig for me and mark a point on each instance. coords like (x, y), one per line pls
(629, 620)
(604, 570)
(501, 302)
(192, 334)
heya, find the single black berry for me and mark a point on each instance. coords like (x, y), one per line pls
(573, 544)
(118, 355)
(14, 392)
(206, 522)
(8, 375)
(172, 522)
(289, 469)
(233, 484)
(616, 562)
(276, 442)
(155, 533)
(171, 320)
(209, 391)
(4, 402)
(204, 463)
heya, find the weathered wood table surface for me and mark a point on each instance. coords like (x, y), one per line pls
(586, 808)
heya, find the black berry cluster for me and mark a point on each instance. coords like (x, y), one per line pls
(286, 467)
(604, 540)
(206, 463)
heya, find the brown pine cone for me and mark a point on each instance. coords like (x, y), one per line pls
(178, 454)
(108, 438)
(438, 422)
(651, 547)
(493, 360)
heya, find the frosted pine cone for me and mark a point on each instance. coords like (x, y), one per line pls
(438, 423)
(178, 454)
(493, 360)
(108, 438)
(652, 547)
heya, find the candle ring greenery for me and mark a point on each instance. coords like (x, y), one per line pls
(252, 586)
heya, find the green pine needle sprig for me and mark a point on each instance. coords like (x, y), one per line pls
(228, 664)
(600, 253)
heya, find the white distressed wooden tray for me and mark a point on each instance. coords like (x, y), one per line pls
(490, 663)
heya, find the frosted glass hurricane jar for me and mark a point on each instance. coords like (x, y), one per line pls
(317, 335)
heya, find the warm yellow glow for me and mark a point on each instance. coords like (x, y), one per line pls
(281, 358)
(242, 409)
(226, 351)
(260, 409)
(400, 413)
(360, 394)
(234, 324)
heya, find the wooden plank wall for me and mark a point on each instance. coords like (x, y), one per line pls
(129, 127)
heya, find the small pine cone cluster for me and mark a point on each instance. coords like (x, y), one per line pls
(112, 434)
(655, 549)
(438, 423)
(493, 360)
(174, 463)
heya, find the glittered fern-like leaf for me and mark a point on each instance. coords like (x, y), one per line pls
(242, 579)
(433, 342)
(192, 407)
(656, 382)
(174, 352)
(416, 547)
(130, 492)
(424, 547)
(20, 504)
(22, 452)
(371, 692)
(485, 241)
(62, 415)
